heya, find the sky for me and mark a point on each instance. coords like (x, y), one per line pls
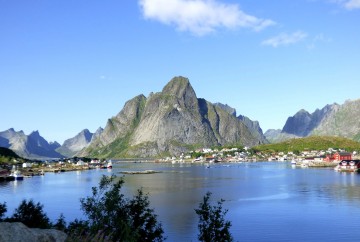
(67, 65)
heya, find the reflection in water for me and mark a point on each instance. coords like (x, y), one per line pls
(266, 201)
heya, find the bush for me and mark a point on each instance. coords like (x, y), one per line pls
(110, 214)
(31, 215)
(2, 210)
(212, 224)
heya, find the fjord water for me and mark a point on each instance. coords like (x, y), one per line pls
(266, 201)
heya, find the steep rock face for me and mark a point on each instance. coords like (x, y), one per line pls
(97, 133)
(73, 145)
(254, 128)
(169, 122)
(118, 128)
(31, 146)
(343, 121)
(298, 124)
(303, 123)
(227, 108)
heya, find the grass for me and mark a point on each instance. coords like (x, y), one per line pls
(311, 143)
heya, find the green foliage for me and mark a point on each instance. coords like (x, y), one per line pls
(7, 155)
(60, 223)
(310, 143)
(31, 215)
(212, 224)
(118, 218)
(2, 210)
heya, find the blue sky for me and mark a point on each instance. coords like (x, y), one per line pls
(66, 65)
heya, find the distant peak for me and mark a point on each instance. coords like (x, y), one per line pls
(180, 87)
(11, 129)
(36, 132)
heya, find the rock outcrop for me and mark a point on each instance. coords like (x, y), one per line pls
(169, 122)
(18, 232)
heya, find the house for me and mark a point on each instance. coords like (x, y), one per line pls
(338, 156)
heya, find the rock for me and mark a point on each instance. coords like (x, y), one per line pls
(18, 232)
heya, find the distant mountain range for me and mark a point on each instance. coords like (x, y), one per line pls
(174, 121)
(31, 146)
(332, 120)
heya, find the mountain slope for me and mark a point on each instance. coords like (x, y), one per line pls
(28, 146)
(332, 120)
(344, 122)
(73, 145)
(169, 122)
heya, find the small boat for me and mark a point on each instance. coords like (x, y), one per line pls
(293, 162)
(109, 165)
(17, 175)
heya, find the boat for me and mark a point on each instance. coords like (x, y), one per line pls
(109, 165)
(17, 175)
(348, 165)
(293, 162)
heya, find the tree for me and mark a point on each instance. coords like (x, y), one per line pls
(212, 224)
(117, 218)
(60, 223)
(2, 210)
(143, 219)
(31, 215)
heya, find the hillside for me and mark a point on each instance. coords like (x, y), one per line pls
(311, 143)
(332, 120)
(171, 122)
(7, 155)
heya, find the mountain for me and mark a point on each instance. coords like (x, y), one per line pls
(344, 121)
(73, 145)
(332, 120)
(31, 146)
(169, 122)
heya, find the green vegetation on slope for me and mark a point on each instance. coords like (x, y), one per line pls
(6, 155)
(311, 143)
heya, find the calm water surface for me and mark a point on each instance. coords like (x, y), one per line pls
(266, 201)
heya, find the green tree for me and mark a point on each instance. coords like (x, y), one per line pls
(112, 215)
(60, 223)
(212, 224)
(2, 210)
(31, 215)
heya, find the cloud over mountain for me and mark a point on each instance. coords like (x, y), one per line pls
(201, 17)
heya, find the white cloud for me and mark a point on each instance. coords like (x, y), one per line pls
(285, 39)
(348, 4)
(201, 17)
(352, 4)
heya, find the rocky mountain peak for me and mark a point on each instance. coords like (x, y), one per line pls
(181, 88)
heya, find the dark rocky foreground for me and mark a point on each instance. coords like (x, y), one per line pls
(18, 232)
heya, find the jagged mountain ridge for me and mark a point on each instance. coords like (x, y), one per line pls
(332, 120)
(73, 145)
(32, 146)
(169, 122)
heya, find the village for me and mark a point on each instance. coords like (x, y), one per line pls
(314, 158)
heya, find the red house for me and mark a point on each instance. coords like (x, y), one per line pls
(339, 156)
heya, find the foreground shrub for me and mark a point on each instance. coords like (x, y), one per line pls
(2, 210)
(31, 214)
(212, 224)
(115, 217)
